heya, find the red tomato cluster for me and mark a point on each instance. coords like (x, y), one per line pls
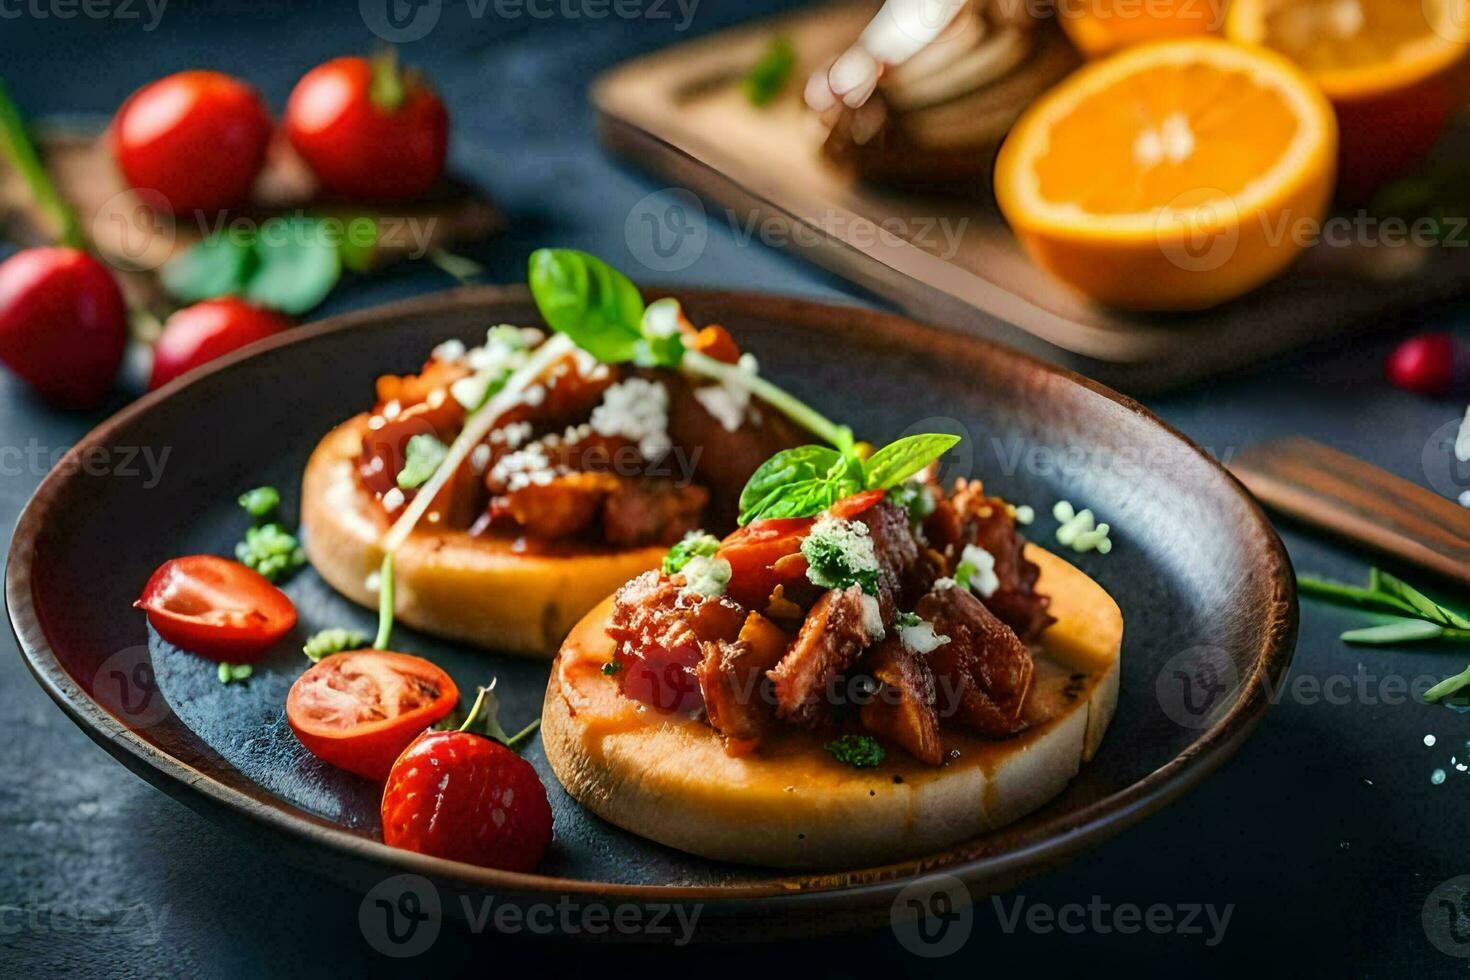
(451, 794)
(367, 130)
(199, 140)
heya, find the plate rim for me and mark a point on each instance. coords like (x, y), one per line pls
(1049, 844)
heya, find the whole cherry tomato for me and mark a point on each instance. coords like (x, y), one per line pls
(464, 797)
(63, 324)
(359, 710)
(216, 608)
(368, 130)
(198, 138)
(200, 333)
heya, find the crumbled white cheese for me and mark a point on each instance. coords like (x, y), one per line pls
(661, 318)
(1025, 514)
(728, 400)
(872, 618)
(849, 539)
(392, 409)
(480, 457)
(1462, 440)
(983, 580)
(945, 583)
(637, 410)
(392, 500)
(708, 576)
(450, 350)
(506, 349)
(521, 469)
(921, 637)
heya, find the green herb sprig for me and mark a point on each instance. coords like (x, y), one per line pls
(858, 751)
(806, 480)
(771, 72)
(326, 642)
(601, 311)
(1420, 619)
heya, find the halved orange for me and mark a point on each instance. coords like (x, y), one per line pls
(1172, 176)
(1387, 66)
(1099, 27)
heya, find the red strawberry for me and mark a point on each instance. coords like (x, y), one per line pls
(198, 334)
(1425, 364)
(63, 324)
(465, 797)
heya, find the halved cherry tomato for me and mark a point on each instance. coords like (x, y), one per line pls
(753, 549)
(216, 608)
(359, 710)
(756, 552)
(198, 138)
(849, 507)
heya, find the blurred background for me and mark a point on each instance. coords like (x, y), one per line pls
(1299, 273)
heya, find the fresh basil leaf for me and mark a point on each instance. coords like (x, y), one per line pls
(297, 266)
(1402, 631)
(800, 464)
(1425, 606)
(803, 498)
(218, 266)
(900, 460)
(589, 301)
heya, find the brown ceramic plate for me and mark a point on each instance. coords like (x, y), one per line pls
(1204, 584)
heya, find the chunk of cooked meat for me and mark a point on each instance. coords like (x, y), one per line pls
(565, 507)
(898, 558)
(651, 511)
(737, 693)
(983, 672)
(659, 631)
(724, 460)
(904, 708)
(970, 517)
(831, 640)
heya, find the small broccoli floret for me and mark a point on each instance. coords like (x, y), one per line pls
(915, 498)
(330, 641)
(421, 458)
(271, 551)
(696, 544)
(229, 673)
(858, 751)
(260, 502)
(840, 554)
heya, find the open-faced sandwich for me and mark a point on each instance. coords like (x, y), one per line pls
(516, 483)
(872, 667)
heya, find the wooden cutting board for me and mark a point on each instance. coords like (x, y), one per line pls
(949, 258)
(136, 239)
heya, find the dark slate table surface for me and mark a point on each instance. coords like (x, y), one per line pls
(1323, 839)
